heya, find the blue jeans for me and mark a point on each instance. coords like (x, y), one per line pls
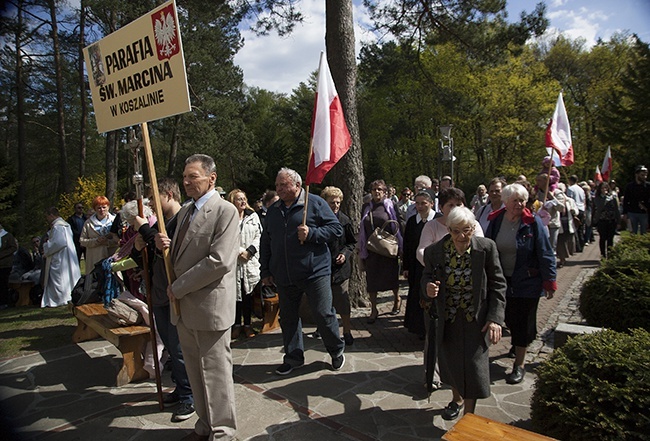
(319, 299)
(639, 222)
(169, 336)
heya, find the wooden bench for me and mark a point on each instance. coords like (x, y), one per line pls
(23, 289)
(93, 322)
(472, 427)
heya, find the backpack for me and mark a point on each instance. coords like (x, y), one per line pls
(89, 288)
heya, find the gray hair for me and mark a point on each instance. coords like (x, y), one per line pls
(514, 190)
(130, 210)
(207, 163)
(292, 174)
(460, 216)
(422, 179)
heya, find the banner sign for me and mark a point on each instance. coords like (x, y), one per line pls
(137, 74)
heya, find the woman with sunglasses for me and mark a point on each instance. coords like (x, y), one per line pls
(463, 280)
(528, 264)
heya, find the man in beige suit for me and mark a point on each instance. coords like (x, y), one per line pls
(204, 256)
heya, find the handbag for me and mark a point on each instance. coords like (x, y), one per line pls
(381, 241)
(122, 314)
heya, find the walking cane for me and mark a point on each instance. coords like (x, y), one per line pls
(138, 182)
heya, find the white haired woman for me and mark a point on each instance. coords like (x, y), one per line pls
(248, 263)
(528, 263)
(463, 277)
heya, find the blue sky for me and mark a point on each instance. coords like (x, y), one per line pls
(280, 64)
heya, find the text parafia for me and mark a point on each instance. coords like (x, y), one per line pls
(131, 54)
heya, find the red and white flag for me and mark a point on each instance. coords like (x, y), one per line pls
(606, 169)
(597, 176)
(329, 134)
(558, 134)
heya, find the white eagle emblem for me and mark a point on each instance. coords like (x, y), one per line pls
(165, 34)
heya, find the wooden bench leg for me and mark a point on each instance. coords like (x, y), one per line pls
(83, 333)
(271, 313)
(23, 295)
(133, 364)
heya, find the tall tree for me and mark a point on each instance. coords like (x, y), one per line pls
(83, 90)
(480, 26)
(339, 40)
(60, 112)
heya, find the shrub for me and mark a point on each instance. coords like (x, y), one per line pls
(595, 388)
(617, 296)
(85, 191)
(632, 249)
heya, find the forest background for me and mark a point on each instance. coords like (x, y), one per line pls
(443, 62)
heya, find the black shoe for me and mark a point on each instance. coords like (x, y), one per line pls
(286, 368)
(452, 411)
(348, 339)
(516, 376)
(338, 362)
(184, 411)
(314, 334)
(170, 400)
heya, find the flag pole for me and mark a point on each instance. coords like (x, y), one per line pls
(548, 174)
(311, 150)
(304, 211)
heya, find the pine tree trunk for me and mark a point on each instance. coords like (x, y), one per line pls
(63, 154)
(111, 164)
(348, 173)
(83, 122)
(20, 122)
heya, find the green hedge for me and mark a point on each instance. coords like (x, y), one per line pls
(617, 296)
(596, 387)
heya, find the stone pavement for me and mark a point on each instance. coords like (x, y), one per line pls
(68, 393)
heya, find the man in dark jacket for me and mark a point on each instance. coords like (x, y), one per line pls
(296, 259)
(170, 197)
(77, 221)
(637, 201)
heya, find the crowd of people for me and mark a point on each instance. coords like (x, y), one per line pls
(472, 269)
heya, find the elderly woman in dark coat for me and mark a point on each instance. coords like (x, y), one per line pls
(463, 277)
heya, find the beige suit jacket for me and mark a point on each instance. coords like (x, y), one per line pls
(205, 267)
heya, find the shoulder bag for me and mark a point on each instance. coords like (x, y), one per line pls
(381, 241)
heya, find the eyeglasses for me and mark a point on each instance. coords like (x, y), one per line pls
(465, 231)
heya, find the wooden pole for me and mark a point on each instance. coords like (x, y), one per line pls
(548, 175)
(304, 211)
(158, 209)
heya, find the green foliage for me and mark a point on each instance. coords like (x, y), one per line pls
(595, 388)
(85, 191)
(631, 249)
(617, 296)
(8, 189)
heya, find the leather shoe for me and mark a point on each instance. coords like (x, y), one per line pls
(452, 411)
(195, 437)
(516, 376)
